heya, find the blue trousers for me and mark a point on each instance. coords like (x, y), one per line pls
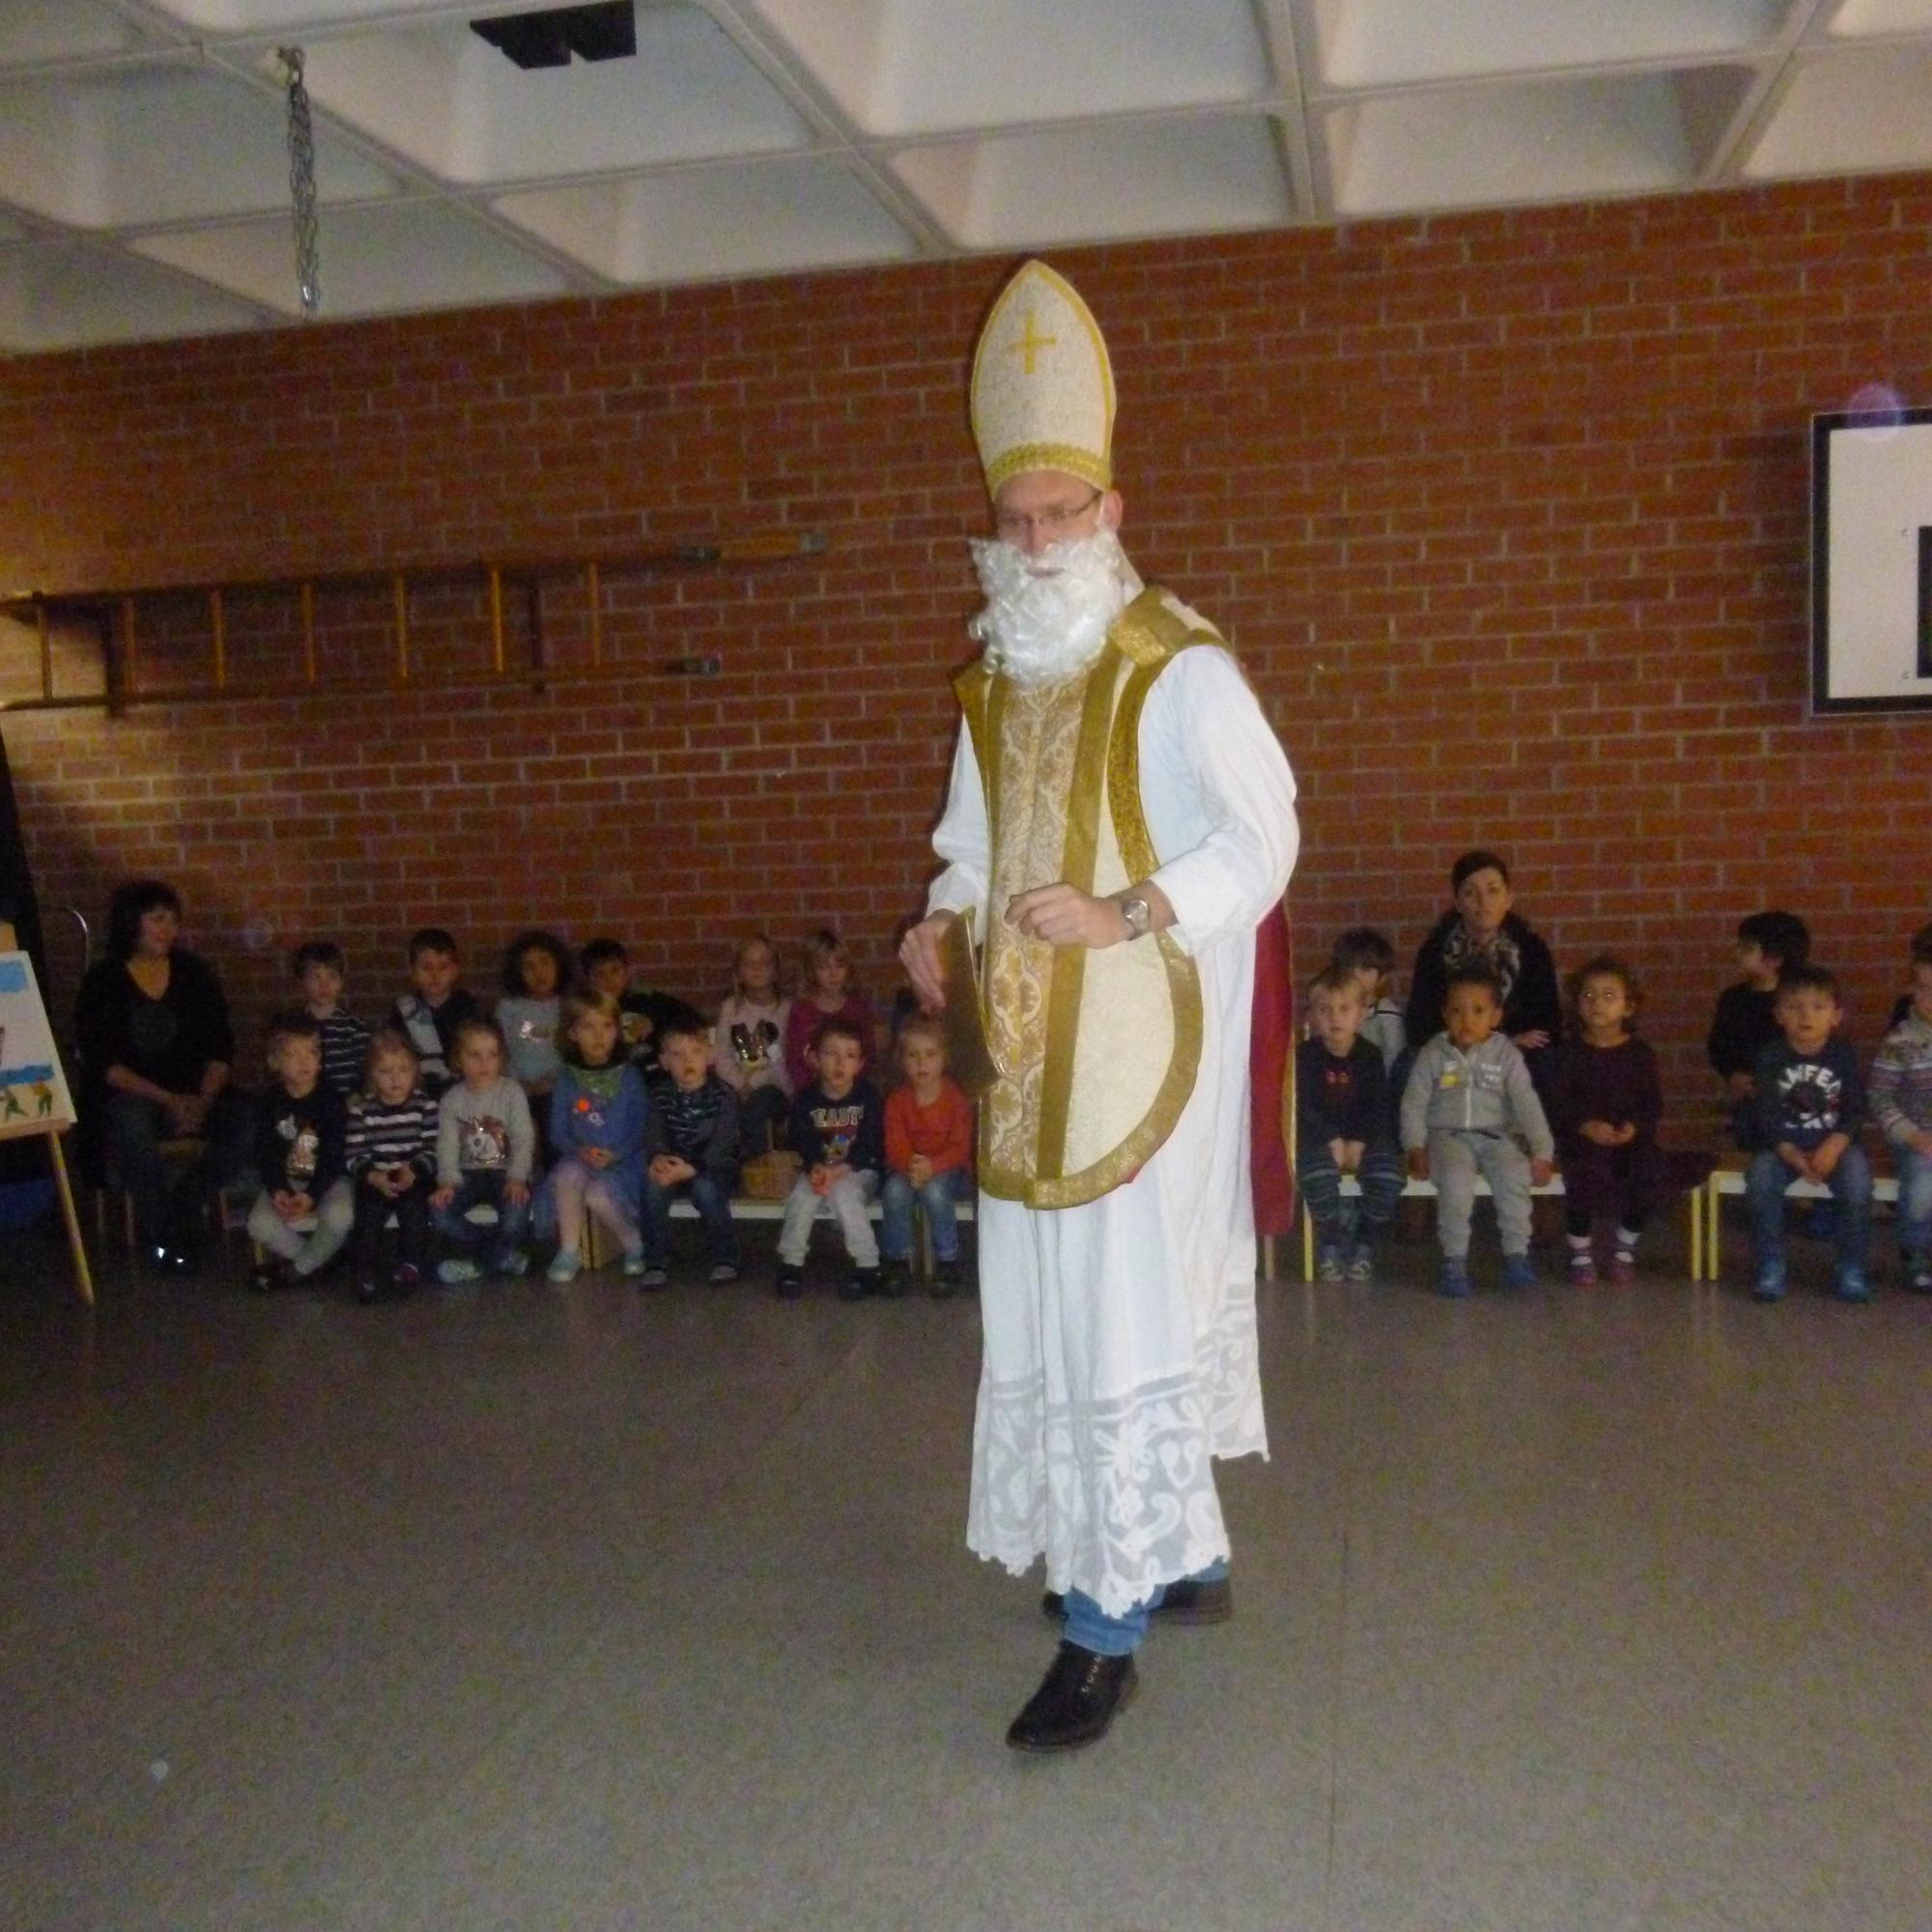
(1090, 1626)
(713, 1202)
(936, 1199)
(1851, 1185)
(1382, 1178)
(475, 1186)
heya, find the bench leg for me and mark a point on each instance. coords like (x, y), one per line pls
(1307, 1244)
(1714, 1214)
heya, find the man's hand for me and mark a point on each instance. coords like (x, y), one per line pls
(288, 1204)
(821, 1178)
(442, 1198)
(919, 955)
(1350, 1161)
(1063, 915)
(401, 1181)
(1600, 1133)
(1418, 1163)
(516, 1192)
(667, 1170)
(919, 1170)
(1529, 1041)
(383, 1180)
(1796, 1160)
(594, 1156)
(1541, 1169)
(1826, 1154)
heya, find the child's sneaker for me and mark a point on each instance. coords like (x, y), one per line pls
(568, 1266)
(1454, 1280)
(1328, 1264)
(894, 1278)
(1361, 1263)
(1519, 1271)
(1769, 1283)
(722, 1272)
(859, 1284)
(1918, 1269)
(406, 1280)
(269, 1274)
(945, 1280)
(649, 1275)
(368, 1291)
(457, 1269)
(512, 1264)
(1583, 1268)
(1851, 1284)
(789, 1282)
(1623, 1268)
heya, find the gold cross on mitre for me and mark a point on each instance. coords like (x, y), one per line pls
(1029, 344)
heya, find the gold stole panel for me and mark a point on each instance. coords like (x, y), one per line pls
(1097, 1049)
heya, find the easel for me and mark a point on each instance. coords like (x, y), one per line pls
(52, 1134)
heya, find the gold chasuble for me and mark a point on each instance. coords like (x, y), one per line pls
(1096, 1048)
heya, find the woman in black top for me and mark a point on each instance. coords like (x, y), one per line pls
(1481, 930)
(156, 1052)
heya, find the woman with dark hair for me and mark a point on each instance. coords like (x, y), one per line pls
(1481, 929)
(155, 1051)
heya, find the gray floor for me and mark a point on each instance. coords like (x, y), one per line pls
(527, 1608)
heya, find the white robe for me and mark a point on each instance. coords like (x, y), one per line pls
(1120, 1354)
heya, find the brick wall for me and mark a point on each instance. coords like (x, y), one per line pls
(1507, 515)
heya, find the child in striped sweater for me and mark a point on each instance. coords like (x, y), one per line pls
(392, 1166)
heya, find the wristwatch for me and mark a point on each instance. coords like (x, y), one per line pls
(1139, 916)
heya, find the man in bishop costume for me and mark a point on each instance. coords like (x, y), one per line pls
(1119, 821)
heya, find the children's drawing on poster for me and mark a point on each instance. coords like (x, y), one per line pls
(33, 1091)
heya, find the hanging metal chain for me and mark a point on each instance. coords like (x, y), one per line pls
(302, 183)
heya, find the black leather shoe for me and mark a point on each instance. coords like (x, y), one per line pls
(1075, 1702)
(1183, 1603)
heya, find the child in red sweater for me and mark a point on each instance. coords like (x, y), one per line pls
(928, 1159)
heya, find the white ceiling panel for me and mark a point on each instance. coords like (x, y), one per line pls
(1853, 110)
(64, 295)
(697, 224)
(1104, 182)
(453, 105)
(1528, 142)
(750, 137)
(376, 259)
(1384, 42)
(914, 66)
(130, 145)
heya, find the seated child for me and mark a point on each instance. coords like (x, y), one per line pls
(392, 1126)
(928, 1160)
(1809, 1104)
(829, 994)
(1922, 948)
(748, 1046)
(1341, 1127)
(484, 1146)
(695, 1152)
(838, 1131)
(1467, 1102)
(600, 1128)
(300, 1127)
(1605, 1101)
(1744, 1024)
(432, 1013)
(319, 970)
(605, 968)
(1369, 957)
(1901, 1103)
(536, 973)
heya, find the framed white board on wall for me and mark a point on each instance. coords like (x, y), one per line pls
(1871, 561)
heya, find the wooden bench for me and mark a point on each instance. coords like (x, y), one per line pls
(1553, 1188)
(1729, 1178)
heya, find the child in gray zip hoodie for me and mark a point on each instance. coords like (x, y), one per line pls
(1466, 1110)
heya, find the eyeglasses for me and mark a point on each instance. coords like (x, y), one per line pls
(1016, 526)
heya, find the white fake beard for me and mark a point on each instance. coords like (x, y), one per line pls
(1046, 616)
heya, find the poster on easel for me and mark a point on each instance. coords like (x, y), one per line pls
(33, 1089)
(34, 1097)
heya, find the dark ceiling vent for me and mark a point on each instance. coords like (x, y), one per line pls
(607, 30)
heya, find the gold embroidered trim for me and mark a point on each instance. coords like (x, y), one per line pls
(1063, 456)
(1077, 865)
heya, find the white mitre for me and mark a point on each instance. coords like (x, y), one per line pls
(1042, 385)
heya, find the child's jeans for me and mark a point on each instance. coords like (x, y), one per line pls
(850, 1200)
(410, 1207)
(713, 1201)
(475, 1186)
(310, 1253)
(1914, 1201)
(1851, 1185)
(1456, 1156)
(937, 1197)
(1382, 1178)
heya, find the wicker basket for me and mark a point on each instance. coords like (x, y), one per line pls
(769, 1176)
